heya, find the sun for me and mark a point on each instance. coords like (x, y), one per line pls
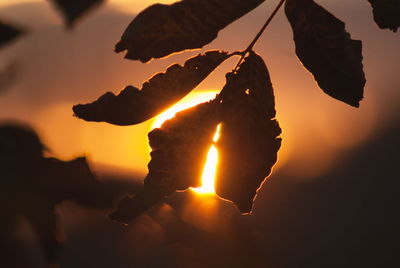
(210, 167)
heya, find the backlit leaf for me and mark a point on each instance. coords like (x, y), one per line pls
(386, 13)
(180, 147)
(74, 9)
(248, 142)
(161, 30)
(179, 151)
(327, 51)
(133, 106)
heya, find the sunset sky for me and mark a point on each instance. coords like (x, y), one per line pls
(58, 67)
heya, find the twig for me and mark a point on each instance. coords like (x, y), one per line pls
(250, 47)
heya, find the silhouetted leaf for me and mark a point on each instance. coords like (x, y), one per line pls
(248, 142)
(327, 51)
(133, 106)
(179, 152)
(8, 33)
(180, 148)
(31, 185)
(161, 30)
(74, 9)
(386, 13)
(19, 141)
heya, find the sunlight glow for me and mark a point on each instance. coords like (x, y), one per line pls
(187, 102)
(210, 167)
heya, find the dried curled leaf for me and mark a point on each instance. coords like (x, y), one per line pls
(8, 33)
(386, 13)
(133, 106)
(179, 151)
(248, 142)
(327, 51)
(74, 9)
(161, 30)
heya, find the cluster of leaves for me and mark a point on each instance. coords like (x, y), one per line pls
(244, 109)
(191, 23)
(32, 185)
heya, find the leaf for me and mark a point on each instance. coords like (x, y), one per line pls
(161, 30)
(8, 33)
(74, 9)
(180, 147)
(386, 13)
(133, 106)
(13, 136)
(179, 151)
(248, 142)
(327, 51)
(31, 185)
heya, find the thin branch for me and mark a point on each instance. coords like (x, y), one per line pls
(250, 47)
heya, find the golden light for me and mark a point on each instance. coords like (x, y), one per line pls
(210, 167)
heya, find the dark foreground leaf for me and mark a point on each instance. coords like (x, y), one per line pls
(179, 151)
(133, 106)
(327, 51)
(74, 9)
(386, 13)
(248, 142)
(164, 29)
(8, 33)
(31, 185)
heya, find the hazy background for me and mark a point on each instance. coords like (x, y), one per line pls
(332, 199)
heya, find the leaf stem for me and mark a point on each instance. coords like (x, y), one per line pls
(250, 47)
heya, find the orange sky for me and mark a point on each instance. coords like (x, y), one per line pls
(127, 5)
(60, 68)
